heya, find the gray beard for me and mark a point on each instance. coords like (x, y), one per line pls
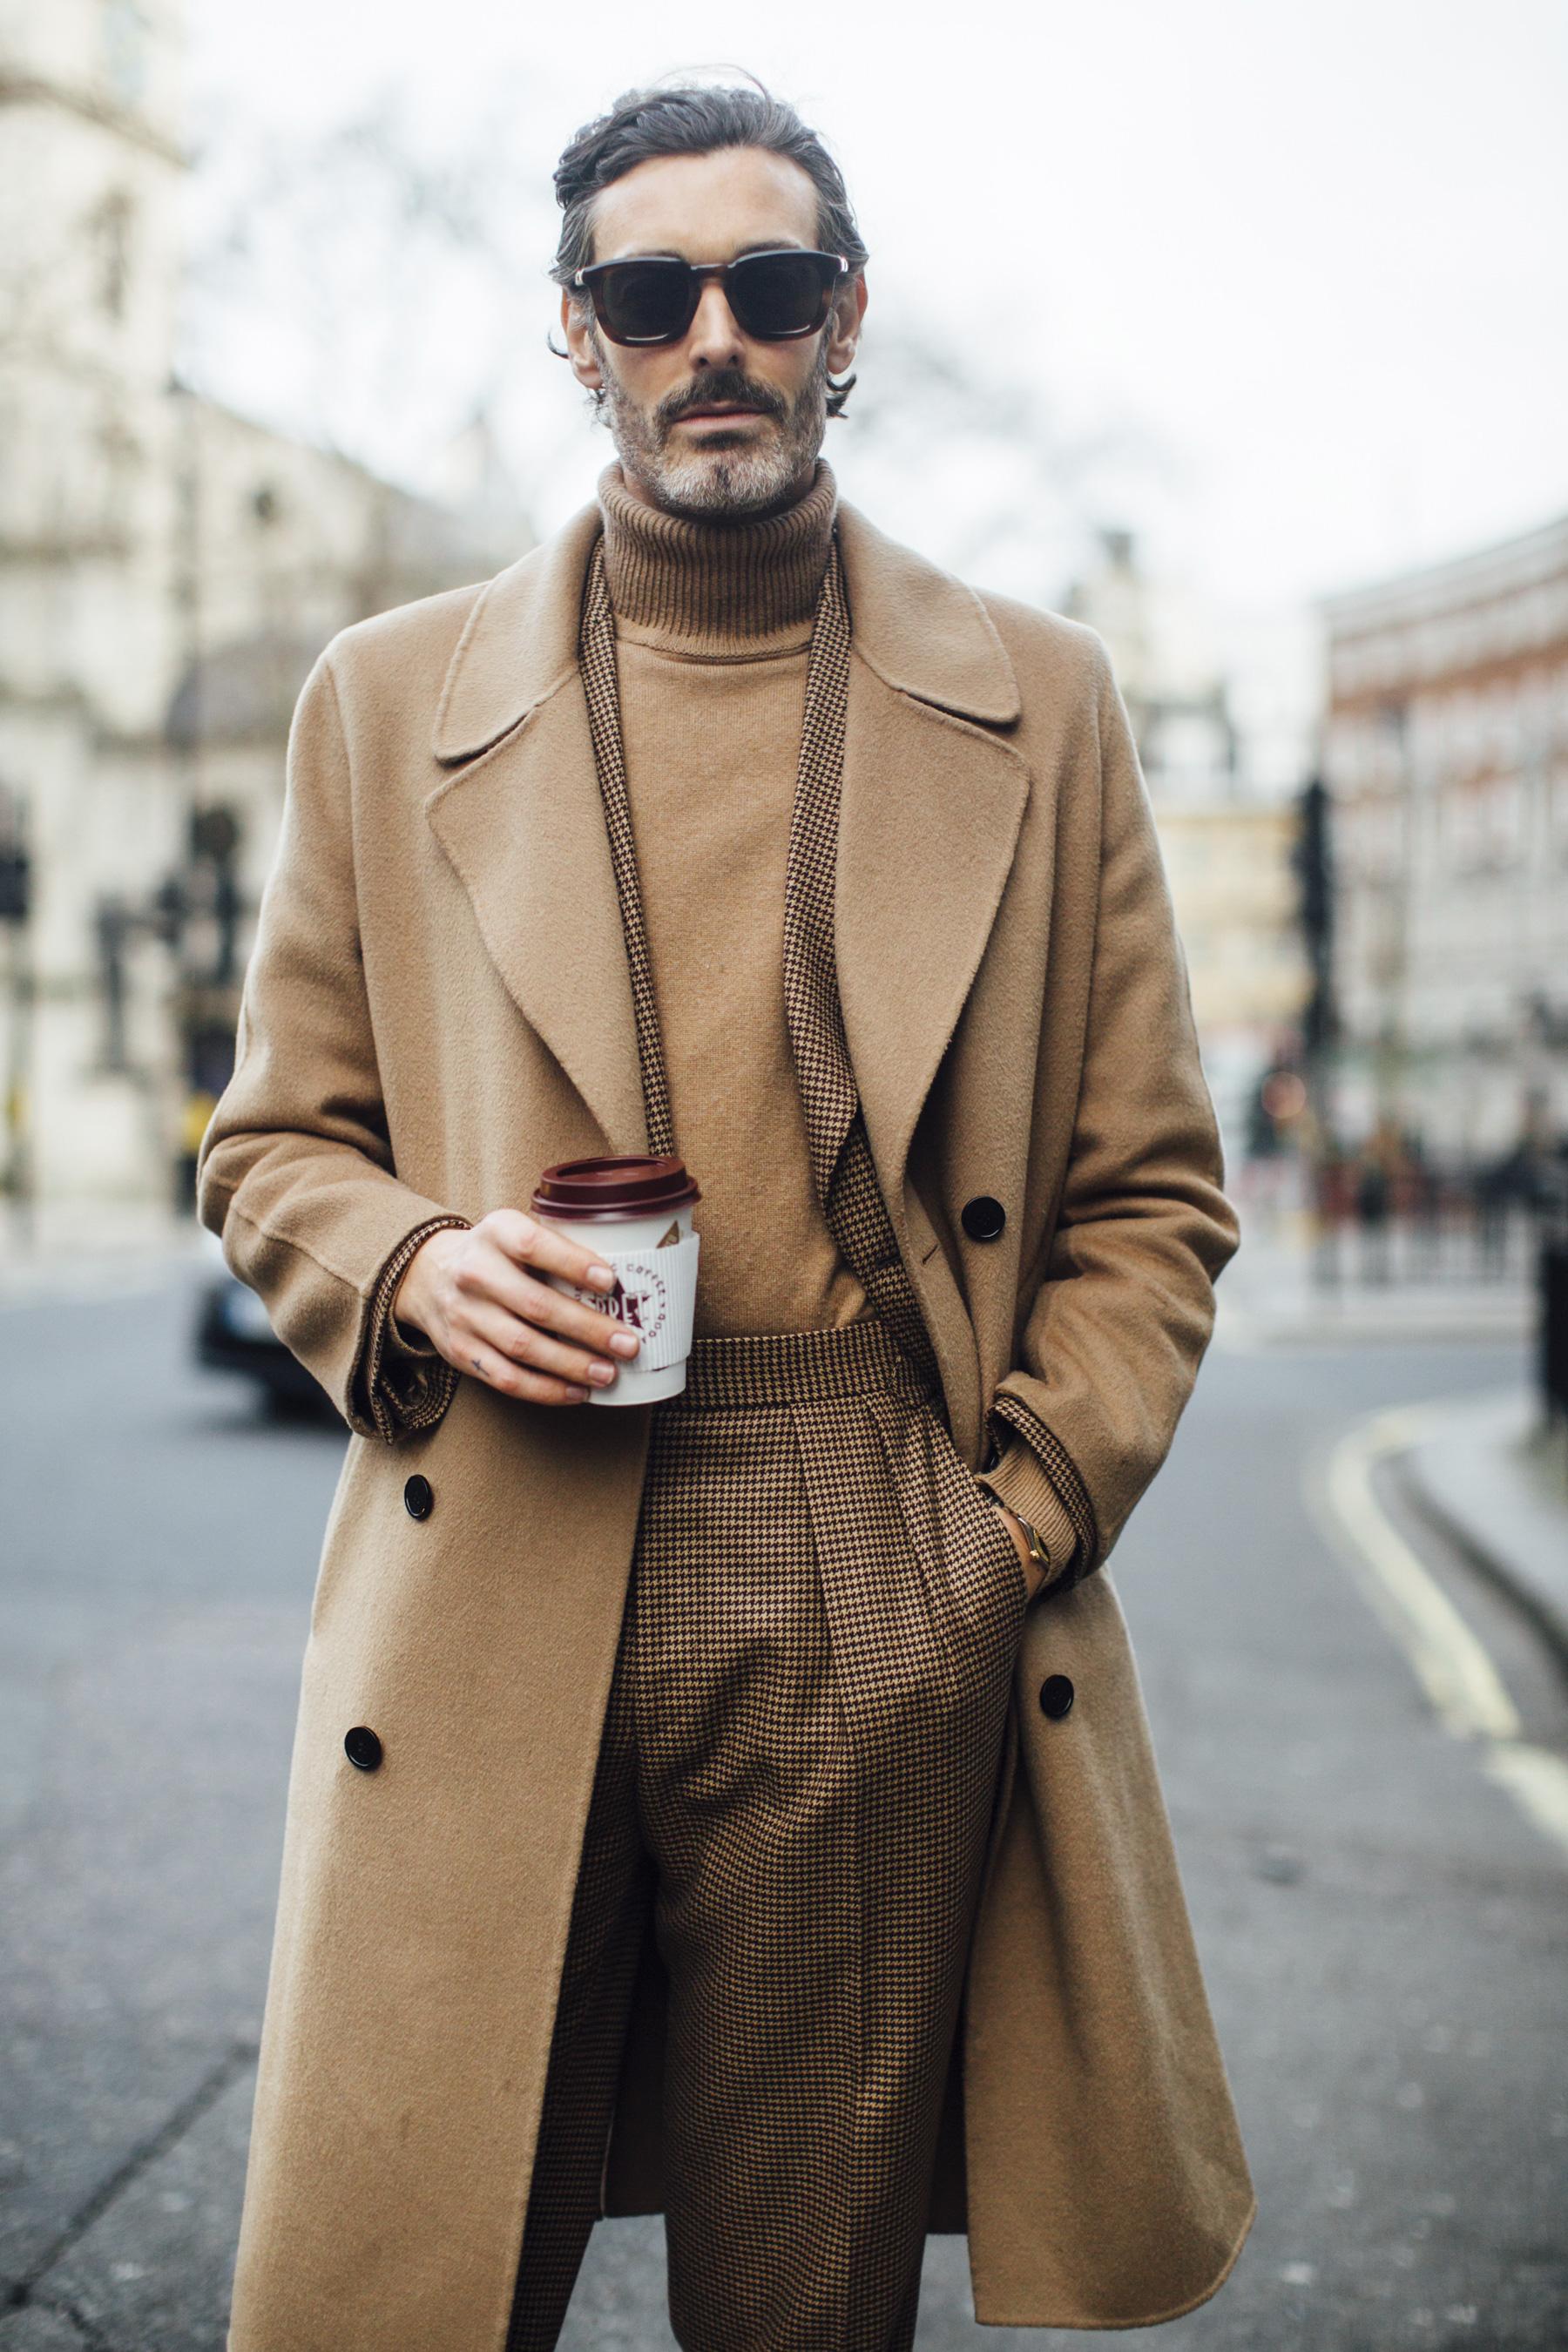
(730, 483)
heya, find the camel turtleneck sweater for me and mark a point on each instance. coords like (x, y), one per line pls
(712, 626)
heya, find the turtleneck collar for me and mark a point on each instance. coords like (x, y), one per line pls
(716, 587)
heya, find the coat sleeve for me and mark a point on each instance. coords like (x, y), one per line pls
(1119, 1325)
(295, 1171)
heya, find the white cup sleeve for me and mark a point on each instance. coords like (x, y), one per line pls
(657, 1296)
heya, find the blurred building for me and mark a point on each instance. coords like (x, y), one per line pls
(1227, 845)
(1447, 754)
(168, 573)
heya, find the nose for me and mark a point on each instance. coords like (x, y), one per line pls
(713, 340)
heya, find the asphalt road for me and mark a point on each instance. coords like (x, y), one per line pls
(1383, 1926)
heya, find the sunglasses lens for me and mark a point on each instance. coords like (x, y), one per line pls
(775, 295)
(645, 302)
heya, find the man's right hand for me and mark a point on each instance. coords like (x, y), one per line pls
(477, 1294)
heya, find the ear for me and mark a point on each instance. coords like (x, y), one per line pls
(844, 324)
(577, 326)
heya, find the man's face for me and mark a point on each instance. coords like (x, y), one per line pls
(717, 424)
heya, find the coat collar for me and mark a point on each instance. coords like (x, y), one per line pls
(923, 632)
(518, 643)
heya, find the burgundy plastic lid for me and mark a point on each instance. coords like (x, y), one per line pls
(631, 1184)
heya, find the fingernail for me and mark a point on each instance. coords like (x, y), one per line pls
(603, 1276)
(625, 1343)
(577, 1395)
(601, 1373)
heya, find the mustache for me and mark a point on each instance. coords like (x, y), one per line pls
(727, 385)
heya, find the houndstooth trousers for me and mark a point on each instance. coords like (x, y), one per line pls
(800, 1739)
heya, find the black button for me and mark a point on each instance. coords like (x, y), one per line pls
(1055, 1696)
(361, 1747)
(983, 1218)
(418, 1496)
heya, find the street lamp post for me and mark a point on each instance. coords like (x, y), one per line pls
(1312, 859)
(21, 995)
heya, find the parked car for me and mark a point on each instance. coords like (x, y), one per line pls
(232, 1334)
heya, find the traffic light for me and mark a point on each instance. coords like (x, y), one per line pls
(16, 864)
(16, 882)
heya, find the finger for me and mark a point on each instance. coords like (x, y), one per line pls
(525, 1344)
(514, 1380)
(569, 1318)
(495, 1280)
(532, 1240)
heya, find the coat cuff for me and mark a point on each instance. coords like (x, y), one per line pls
(1035, 1477)
(402, 1385)
(402, 1340)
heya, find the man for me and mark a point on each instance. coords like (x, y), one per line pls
(739, 1807)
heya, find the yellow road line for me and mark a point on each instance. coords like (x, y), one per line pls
(1537, 1781)
(1454, 1669)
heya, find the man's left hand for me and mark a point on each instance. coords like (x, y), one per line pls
(1033, 1577)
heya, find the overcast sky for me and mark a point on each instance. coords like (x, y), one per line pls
(1307, 258)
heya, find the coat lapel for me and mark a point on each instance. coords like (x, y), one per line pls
(523, 823)
(930, 812)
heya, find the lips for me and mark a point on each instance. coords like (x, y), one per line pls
(693, 414)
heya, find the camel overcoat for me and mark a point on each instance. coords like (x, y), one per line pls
(437, 1004)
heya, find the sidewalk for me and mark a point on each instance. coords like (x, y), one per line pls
(1497, 1480)
(1269, 1296)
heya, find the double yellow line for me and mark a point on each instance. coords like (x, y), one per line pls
(1465, 1689)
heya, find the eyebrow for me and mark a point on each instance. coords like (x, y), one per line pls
(759, 245)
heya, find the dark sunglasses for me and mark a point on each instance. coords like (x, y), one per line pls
(775, 296)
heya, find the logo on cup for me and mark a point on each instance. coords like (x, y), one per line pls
(640, 1299)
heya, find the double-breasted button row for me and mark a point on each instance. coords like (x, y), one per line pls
(362, 1746)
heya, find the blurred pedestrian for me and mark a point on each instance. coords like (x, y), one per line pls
(1334, 1205)
(1373, 1195)
(1423, 1205)
(741, 1807)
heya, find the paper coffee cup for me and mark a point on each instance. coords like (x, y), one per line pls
(634, 1211)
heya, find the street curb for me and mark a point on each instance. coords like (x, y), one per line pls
(1489, 1560)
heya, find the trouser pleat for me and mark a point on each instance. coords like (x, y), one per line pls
(793, 1787)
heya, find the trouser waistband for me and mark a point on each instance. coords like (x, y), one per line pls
(759, 1368)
